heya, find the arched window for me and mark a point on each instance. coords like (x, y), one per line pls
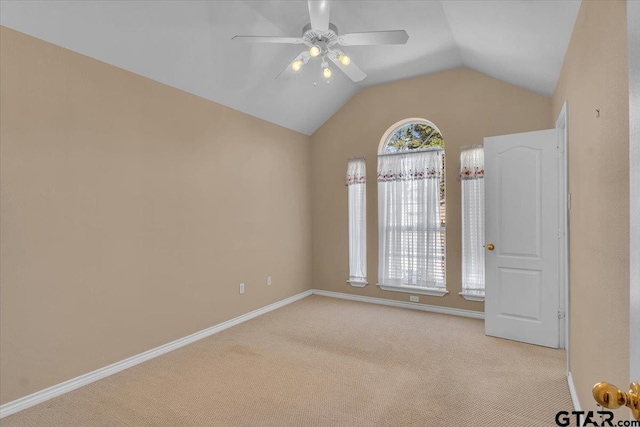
(411, 209)
(411, 135)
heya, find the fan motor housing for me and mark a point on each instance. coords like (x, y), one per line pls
(311, 36)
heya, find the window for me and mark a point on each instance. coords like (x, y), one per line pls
(357, 185)
(411, 209)
(471, 175)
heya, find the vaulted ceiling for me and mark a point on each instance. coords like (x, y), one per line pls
(187, 45)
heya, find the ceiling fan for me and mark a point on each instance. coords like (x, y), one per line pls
(323, 41)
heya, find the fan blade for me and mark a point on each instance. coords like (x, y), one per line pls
(267, 39)
(374, 37)
(288, 72)
(352, 70)
(319, 14)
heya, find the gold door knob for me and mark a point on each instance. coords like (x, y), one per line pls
(611, 397)
(490, 246)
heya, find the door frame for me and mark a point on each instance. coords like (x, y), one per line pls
(564, 206)
(633, 28)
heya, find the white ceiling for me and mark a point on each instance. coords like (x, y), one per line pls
(187, 45)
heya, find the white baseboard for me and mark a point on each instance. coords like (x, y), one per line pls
(72, 384)
(574, 394)
(403, 304)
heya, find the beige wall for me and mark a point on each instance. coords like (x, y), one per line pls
(595, 76)
(130, 213)
(465, 105)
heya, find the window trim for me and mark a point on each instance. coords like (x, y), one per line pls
(357, 283)
(470, 296)
(434, 292)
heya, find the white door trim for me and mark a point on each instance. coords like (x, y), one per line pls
(563, 176)
(633, 28)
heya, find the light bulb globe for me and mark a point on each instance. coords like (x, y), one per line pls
(315, 50)
(296, 65)
(344, 59)
(326, 73)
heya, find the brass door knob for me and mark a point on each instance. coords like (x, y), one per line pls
(611, 397)
(490, 246)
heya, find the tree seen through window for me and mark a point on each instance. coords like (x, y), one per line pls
(414, 136)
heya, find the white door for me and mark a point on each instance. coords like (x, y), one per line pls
(522, 236)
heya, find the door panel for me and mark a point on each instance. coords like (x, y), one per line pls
(520, 293)
(519, 233)
(521, 199)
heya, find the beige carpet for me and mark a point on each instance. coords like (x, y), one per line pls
(328, 362)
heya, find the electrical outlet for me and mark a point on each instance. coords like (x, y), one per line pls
(242, 288)
(268, 280)
(414, 298)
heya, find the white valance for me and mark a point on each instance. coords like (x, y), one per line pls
(471, 163)
(411, 166)
(356, 171)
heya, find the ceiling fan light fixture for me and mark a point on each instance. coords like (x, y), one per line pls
(344, 59)
(320, 38)
(315, 50)
(326, 73)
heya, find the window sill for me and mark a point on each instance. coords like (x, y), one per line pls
(357, 283)
(472, 296)
(434, 292)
